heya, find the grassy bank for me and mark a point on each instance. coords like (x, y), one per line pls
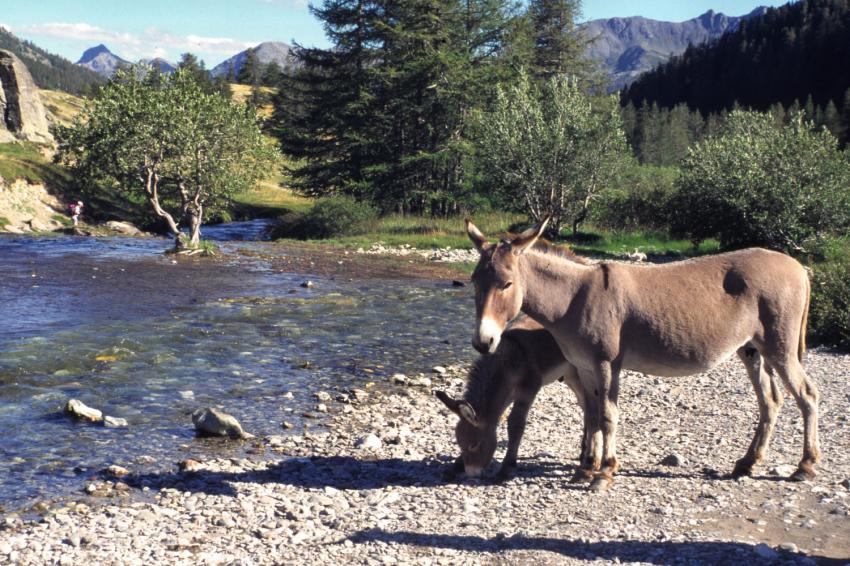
(27, 160)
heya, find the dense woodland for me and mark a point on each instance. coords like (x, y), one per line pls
(48, 70)
(385, 114)
(793, 56)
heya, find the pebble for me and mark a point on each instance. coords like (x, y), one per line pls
(674, 460)
(369, 442)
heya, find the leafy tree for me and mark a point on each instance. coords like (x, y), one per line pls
(757, 184)
(552, 149)
(184, 150)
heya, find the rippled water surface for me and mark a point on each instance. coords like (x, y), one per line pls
(120, 326)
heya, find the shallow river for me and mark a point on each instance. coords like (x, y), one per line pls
(117, 324)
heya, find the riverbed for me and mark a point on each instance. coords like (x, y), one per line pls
(149, 338)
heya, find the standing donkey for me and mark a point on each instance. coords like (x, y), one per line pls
(675, 319)
(527, 359)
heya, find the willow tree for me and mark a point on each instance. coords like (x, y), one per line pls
(185, 150)
(551, 149)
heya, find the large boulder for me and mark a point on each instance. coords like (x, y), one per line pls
(22, 114)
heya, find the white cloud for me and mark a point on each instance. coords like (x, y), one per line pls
(153, 42)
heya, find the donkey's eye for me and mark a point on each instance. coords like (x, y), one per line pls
(506, 285)
(474, 447)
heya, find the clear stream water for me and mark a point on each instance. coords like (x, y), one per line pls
(115, 323)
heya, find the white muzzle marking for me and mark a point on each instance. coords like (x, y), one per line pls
(489, 334)
(473, 472)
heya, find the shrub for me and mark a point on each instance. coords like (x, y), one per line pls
(759, 184)
(328, 218)
(829, 315)
(639, 199)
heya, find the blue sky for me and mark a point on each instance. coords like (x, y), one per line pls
(217, 29)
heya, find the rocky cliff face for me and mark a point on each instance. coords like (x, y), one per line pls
(21, 110)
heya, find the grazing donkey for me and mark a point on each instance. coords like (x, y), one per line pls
(675, 319)
(527, 359)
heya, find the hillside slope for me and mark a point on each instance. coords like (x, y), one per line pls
(48, 70)
(628, 47)
(783, 56)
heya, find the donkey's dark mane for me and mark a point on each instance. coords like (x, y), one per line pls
(485, 376)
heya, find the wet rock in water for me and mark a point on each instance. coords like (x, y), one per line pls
(789, 547)
(321, 408)
(81, 411)
(360, 395)
(212, 422)
(287, 425)
(116, 471)
(398, 378)
(323, 396)
(114, 422)
(186, 394)
(307, 284)
(674, 460)
(369, 442)
(439, 370)
(456, 283)
(125, 228)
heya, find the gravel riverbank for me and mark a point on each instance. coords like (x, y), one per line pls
(366, 487)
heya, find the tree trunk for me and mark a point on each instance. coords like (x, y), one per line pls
(195, 215)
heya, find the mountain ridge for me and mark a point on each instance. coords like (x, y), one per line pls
(627, 47)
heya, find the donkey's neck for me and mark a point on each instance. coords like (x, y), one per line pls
(550, 284)
(491, 382)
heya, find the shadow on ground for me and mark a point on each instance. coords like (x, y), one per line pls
(652, 552)
(346, 472)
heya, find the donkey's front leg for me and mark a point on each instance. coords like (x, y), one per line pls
(608, 380)
(516, 428)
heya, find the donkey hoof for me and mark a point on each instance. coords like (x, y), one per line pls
(582, 475)
(505, 473)
(742, 469)
(601, 483)
(803, 473)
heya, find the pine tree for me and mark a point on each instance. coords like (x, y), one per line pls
(325, 110)
(558, 50)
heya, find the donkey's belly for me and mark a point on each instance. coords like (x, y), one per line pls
(674, 364)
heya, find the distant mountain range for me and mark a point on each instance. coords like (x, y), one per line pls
(624, 47)
(105, 63)
(268, 52)
(628, 47)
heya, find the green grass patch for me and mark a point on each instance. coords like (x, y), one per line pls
(268, 200)
(617, 243)
(424, 232)
(4, 222)
(24, 160)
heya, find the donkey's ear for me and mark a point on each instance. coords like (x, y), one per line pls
(525, 240)
(479, 239)
(467, 413)
(452, 404)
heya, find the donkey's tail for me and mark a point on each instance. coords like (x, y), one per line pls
(801, 348)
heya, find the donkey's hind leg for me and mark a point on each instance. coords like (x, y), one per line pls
(806, 394)
(769, 402)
